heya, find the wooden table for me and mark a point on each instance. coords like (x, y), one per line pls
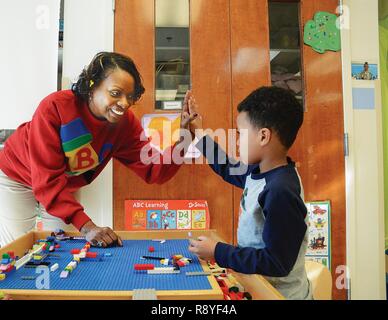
(256, 285)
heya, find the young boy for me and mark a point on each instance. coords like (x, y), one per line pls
(271, 234)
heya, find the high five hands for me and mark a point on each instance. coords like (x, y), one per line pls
(190, 118)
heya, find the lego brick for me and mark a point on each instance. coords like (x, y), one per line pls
(91, 255)
(180, 263)
(161, 271)
(198, 273)
(54, 267)
(144, 266)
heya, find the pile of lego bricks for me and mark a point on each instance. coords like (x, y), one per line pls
(230, 287)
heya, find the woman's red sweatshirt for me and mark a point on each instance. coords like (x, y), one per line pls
(64, 147)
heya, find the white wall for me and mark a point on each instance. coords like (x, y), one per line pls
(364, 165)
(88, 29)
(28, 57)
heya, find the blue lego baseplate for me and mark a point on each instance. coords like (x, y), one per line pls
(114, 273)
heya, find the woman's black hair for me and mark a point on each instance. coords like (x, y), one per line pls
(98, 69)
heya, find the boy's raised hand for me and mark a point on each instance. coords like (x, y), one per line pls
(196, 119)
(190, 118)
(186, 116)
(204, 247)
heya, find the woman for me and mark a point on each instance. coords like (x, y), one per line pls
(70, 139)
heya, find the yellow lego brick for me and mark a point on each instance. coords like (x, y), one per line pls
(2, 277)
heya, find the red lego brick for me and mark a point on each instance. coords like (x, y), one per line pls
(180, 263)
(57, 246)
(9, 269)
(225, 290)
(91, 254)
(221, 283)
(75, 251)
(144, 266)
(11, 254)
(234, 296)
(151, 249)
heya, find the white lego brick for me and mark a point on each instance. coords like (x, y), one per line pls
(64, 274)
(163, 271)
(198, 273)
(54, 267)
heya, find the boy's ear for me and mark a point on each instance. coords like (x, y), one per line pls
(264, 136)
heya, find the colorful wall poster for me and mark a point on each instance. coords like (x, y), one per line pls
(365, 71)
(166, 215)
(319, 232)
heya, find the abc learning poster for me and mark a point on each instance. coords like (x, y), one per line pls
(319, 232)
(166, 215)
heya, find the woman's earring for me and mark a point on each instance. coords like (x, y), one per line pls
(91, 83)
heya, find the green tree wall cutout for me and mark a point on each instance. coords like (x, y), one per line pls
(322, 33)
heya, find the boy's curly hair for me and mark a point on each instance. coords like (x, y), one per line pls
(274, 108)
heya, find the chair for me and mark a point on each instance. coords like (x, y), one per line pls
(320, 278)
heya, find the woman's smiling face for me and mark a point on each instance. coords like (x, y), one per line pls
(112, 98)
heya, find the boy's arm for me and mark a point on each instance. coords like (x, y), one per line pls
(232, 171)
(283, 233)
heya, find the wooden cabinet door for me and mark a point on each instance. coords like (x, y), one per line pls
(211, 82)
(319, 148)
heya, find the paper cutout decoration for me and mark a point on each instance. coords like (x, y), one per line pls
(162, 129)
(322, 33)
